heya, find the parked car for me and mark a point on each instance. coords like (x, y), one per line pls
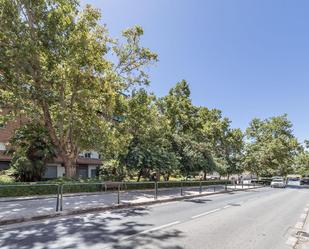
(278, 183)
(305, 181)
(293, 181)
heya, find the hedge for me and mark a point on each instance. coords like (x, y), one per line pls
(26, 189)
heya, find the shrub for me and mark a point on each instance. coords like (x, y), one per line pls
(5, 178)
(32, 148)
(90, 186)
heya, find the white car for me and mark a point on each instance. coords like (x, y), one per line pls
(294, 182)
(278, 183)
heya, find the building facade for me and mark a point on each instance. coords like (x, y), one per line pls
(87, 162)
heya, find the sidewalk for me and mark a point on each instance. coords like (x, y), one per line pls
(39, 207)
(303, 235)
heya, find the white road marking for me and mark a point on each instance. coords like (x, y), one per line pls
(227, 206)
(202, 214)
(299, 225)
(151, 230)
(291, 241)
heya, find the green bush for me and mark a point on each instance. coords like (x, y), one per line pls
(6, 179)
(192, 183)
(138, 186)
(15, 190)
(32, 149)
(88, 186)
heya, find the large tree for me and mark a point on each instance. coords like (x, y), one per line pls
(301, 161)
(271, 146)
(59, 66)
(224, 144)
(192, 133)
(149, 148)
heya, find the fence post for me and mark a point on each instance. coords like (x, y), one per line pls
(155, 190)
(242, 184)
(215, 188)
(200, 187)
(58, 195)
(181, 191)
(225, 186)
(61, 198)
(118, 194)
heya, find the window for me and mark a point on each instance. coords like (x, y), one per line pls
(88, 155)
(2, 147)
(50, 172)
(4, 165)
(93, 173)
(82, 171)
(94, 155)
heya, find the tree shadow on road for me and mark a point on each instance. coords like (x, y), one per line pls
(198, 201)
(102, 230)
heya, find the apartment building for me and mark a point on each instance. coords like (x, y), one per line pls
(87, 162)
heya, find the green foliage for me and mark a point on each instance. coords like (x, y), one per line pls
(201, 138)
(27, 190)
(149, 148)
(32, 148)
(301, 163)
(271, 146)
(59, 66)
(6, 177)
(112, 171)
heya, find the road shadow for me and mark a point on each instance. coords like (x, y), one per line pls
(138, 211)
(234, 204)
(103, 230)
(230, 193)
(198, 201)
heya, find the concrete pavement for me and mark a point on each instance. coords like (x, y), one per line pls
(258, 219)
(303, 232)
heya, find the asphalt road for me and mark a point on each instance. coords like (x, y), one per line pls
(258, 219)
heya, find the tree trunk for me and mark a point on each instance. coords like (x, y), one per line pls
(69, 161)
(158, 175)
(204, 175)
(139, 175)
(69, 164)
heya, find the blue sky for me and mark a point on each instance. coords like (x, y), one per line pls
(249, 58)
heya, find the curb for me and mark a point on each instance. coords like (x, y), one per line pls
(113, 207)
(302, 241)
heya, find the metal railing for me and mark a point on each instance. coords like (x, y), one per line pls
(12, 190)
(118, 190)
